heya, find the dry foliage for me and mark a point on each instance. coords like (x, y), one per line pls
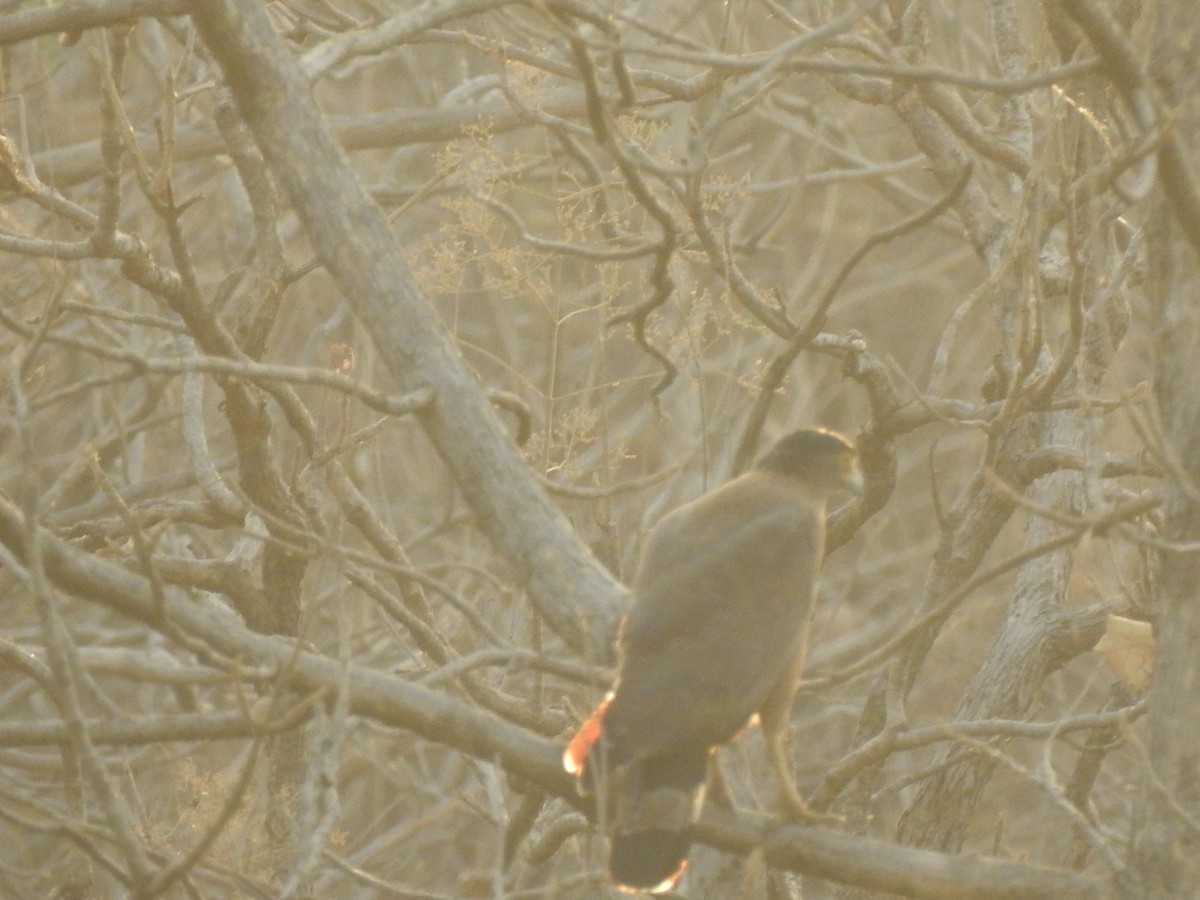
(280, 618)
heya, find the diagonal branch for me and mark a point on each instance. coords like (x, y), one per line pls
(569, 589)
(441, 718)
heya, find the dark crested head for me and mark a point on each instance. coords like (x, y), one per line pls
(821, 458)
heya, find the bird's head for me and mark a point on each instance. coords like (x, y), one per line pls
(822, 459)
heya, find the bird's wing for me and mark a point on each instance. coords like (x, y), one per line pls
(722, 599)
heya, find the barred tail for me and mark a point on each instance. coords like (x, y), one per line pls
(658, 799)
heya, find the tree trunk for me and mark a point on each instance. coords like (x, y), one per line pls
(1166, 857)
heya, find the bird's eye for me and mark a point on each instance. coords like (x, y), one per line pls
(849, 462)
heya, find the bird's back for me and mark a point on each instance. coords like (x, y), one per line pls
(721, 601)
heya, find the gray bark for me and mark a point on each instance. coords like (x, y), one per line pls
(1166, 847)
(568, 587)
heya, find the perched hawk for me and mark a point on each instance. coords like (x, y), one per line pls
(722, 601)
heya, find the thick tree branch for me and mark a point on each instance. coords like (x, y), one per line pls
(78, 15)
(350, 234)
(445, 720)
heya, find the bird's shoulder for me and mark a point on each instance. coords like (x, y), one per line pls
(754, 505)
(752, 538)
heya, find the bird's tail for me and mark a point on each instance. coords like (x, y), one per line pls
(658, 799)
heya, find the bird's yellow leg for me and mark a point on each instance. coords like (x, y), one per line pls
(718, 788)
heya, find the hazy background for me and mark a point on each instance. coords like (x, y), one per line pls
(623, 280)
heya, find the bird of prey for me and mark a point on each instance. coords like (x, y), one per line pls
(722, 599)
